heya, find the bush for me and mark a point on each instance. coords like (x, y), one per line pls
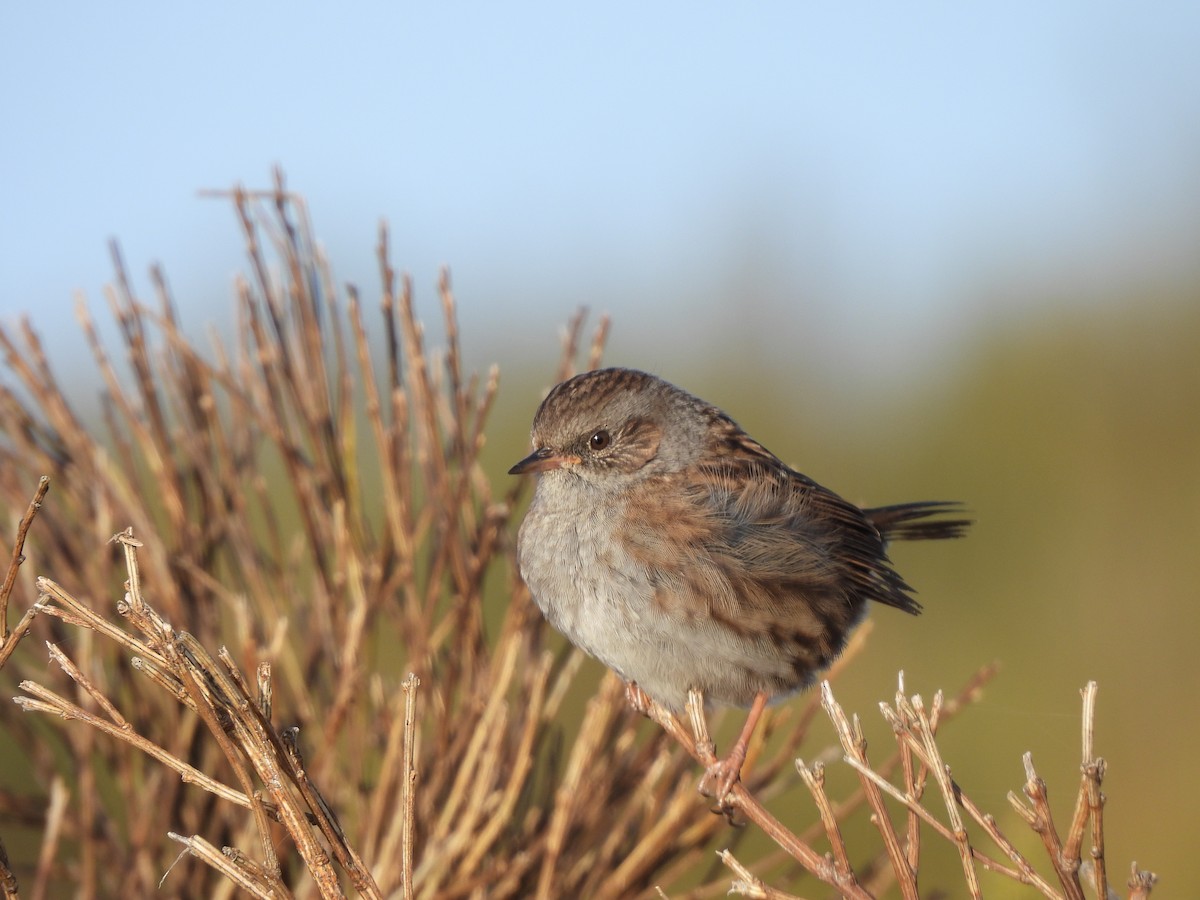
(323, 661)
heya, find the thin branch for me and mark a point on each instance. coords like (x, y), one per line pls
(408, 785)
(855, 746)
(18, 557)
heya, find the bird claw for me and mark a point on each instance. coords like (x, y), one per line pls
(720, 777)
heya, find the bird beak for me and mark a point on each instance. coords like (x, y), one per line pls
(542, 460)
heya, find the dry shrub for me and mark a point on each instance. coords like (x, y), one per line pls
(323, 673)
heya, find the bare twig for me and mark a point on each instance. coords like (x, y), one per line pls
(409, 784)
(855, 745)
(18, 557)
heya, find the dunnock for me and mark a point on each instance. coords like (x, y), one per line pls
(667, 543)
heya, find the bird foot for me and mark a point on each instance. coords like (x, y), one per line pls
(720, 777)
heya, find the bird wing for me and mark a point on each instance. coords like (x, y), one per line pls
(800, 537)
(767, 551)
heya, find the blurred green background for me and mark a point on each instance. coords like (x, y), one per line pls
(920, 252)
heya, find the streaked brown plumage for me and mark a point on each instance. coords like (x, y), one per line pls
(672, 546)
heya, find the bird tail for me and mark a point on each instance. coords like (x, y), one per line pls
(922, 521)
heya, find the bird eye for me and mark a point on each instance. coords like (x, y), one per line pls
(600, 440)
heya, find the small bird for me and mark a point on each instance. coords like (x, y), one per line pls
(670, 545)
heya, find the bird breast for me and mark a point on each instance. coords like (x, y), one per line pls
(607, 599)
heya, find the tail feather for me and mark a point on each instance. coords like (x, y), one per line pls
(915, 522)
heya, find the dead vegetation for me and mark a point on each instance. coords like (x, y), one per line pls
(307, 666)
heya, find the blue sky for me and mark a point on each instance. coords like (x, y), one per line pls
(861, 171)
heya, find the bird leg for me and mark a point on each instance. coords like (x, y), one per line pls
(637, 698)
(724, 773)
